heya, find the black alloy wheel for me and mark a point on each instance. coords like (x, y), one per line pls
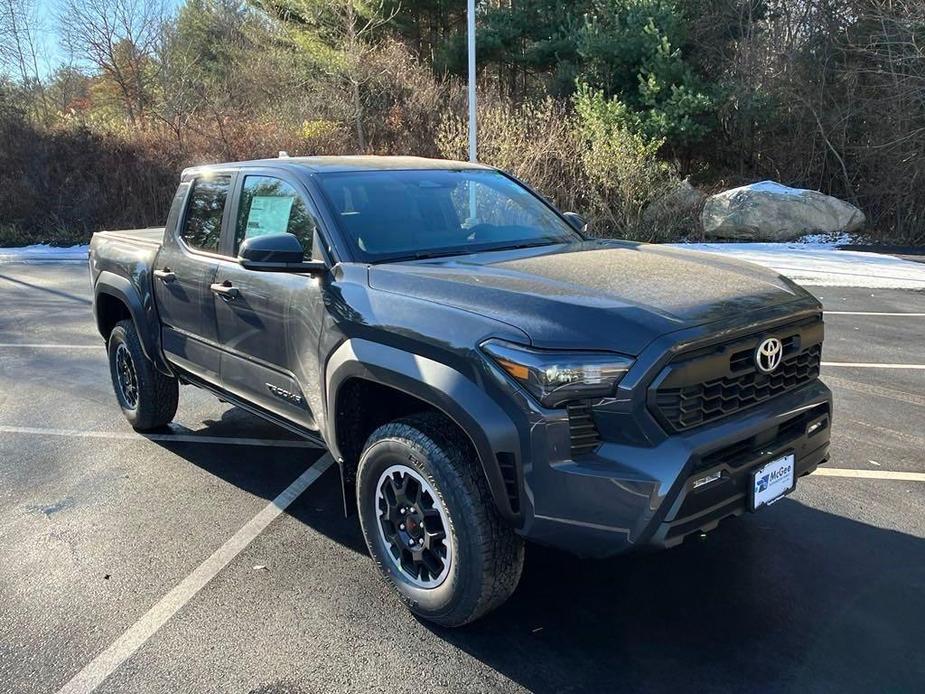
(147, 397)
(128, 378)
(414, 527)
(430, 521)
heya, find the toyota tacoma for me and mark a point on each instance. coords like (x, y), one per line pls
(482, 370)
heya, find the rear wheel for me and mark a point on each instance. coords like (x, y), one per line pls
(147, 397)
(430, 523)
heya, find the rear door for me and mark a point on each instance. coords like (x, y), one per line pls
(184, 272)
(268, 325)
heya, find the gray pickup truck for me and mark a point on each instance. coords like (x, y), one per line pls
(482, 371)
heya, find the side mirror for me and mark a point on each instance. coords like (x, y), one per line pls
(276, 253)
(576, 220)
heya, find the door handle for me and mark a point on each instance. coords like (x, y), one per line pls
(225, 290)
(166, 275)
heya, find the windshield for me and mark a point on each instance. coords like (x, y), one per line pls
(399, 215)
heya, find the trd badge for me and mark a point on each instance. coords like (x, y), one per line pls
(293, 398)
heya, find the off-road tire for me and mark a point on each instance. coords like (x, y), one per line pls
(157, 394)
(487, 556)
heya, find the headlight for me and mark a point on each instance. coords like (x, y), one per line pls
(555, 377)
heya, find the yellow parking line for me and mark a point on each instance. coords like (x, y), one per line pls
(871, 474)
(872, 313)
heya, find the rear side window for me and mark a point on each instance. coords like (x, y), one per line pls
(202, 229)
(272, 206)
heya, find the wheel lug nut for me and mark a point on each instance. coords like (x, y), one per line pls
(421, 541)
(401, 526)
(402, 510)
(411, 543)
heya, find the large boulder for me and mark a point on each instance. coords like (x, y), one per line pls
(769, 211)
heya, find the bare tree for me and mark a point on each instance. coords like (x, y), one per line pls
(339, 32)
(117, 39)
(19, 46)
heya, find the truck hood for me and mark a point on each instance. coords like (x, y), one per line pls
(594, 294)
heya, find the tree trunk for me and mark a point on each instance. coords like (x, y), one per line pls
(358, 115)
(354, 51)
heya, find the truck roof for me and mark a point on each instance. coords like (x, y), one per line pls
(344, 164)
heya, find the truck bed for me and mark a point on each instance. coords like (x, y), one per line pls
(152, 235)
(127, 253)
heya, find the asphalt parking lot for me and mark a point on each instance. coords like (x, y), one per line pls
(158, 564)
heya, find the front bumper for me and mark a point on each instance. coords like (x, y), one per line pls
(642, 492)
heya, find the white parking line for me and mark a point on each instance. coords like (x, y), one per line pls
(876, 391)
(901, 435)
(107, 662)
(869, 365)
(872, 313)
(871, 474)
(175, 438)
(100, 346)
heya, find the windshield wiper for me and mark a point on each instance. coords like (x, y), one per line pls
(525, 244)
(424, 255)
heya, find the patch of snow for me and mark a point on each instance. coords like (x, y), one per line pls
(42, 253)
(831, 239)
(820, 264)
(773, 187)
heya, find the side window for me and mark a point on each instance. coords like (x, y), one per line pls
(272, 206)
(202, 228)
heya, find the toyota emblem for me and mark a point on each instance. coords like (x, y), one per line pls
(769, 355)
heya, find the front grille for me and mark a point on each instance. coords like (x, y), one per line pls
(725, 381)
(583, 433)
(749, 450)
(705, 505)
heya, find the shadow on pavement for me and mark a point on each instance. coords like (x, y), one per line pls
(56, 292)
(791, 599)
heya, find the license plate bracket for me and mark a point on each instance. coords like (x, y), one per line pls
(772, 481)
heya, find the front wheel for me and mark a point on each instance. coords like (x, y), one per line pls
(147, 397)
(430, 523)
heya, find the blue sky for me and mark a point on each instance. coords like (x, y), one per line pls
(54, 57)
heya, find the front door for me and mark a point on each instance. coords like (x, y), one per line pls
(268, 322)
(183, 274)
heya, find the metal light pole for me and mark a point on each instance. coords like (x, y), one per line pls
(473, 156)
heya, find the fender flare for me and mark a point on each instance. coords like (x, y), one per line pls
(487, 426)
(141, 310)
